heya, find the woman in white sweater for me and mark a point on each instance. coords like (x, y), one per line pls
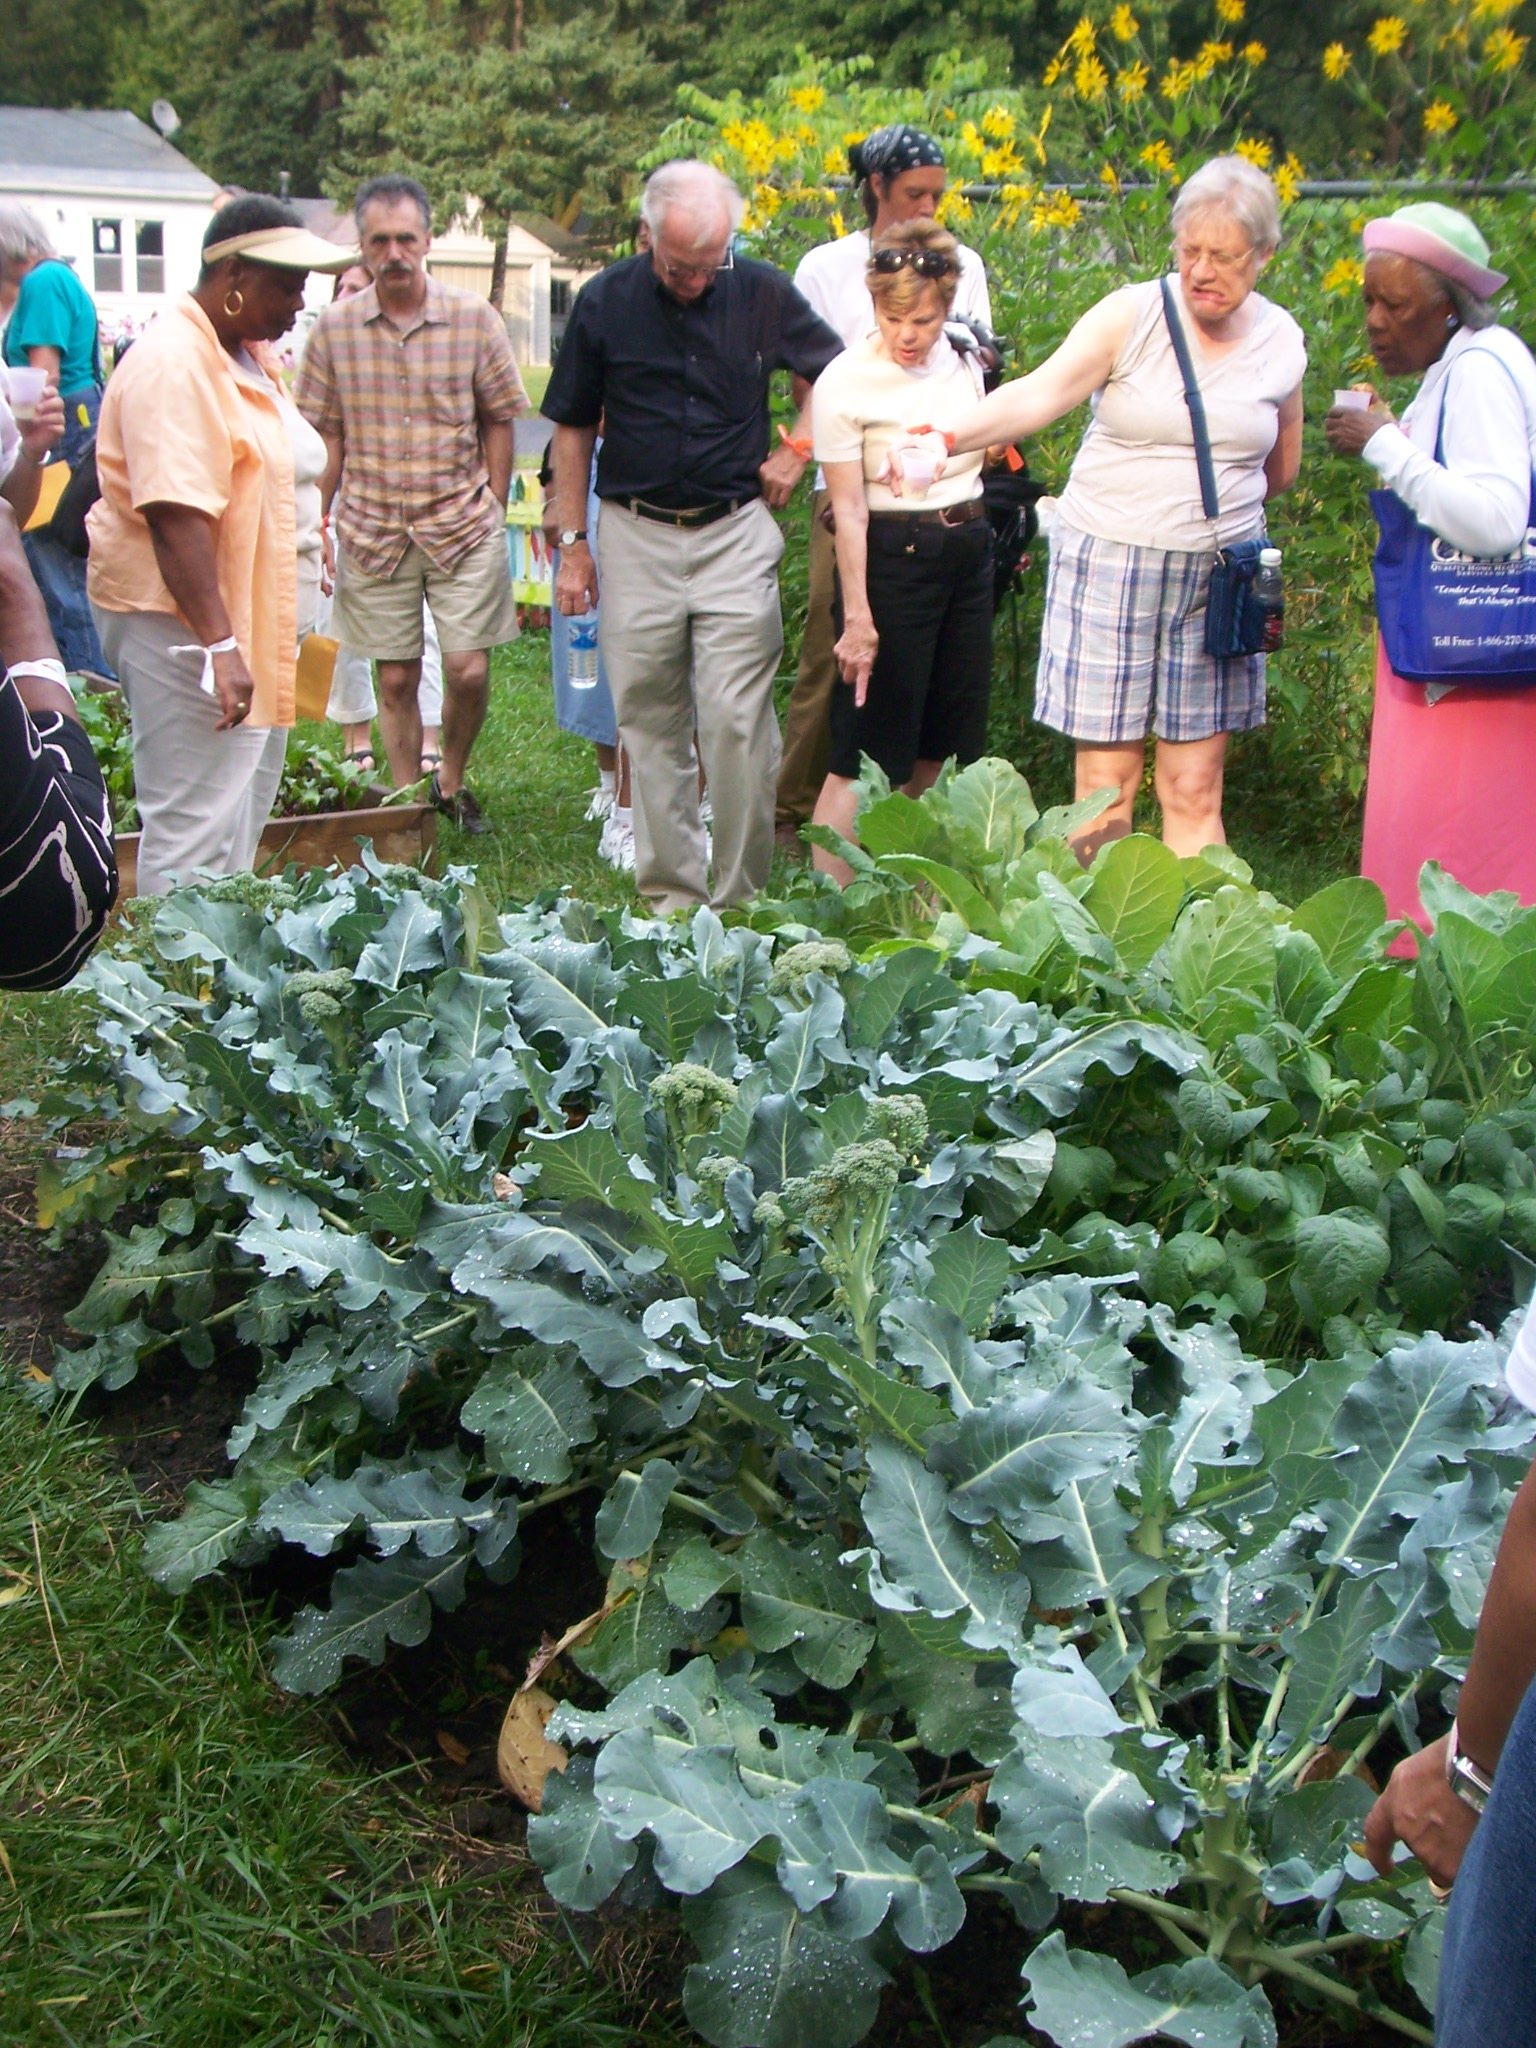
(1451, 766)
(1122, 644)
(914, 568)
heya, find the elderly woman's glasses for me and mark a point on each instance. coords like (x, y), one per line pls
(1227, 261)
(926, 262)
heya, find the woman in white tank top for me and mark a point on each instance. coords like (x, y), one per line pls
(1122, 643)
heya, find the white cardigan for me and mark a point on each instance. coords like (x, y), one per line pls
(1480, 498)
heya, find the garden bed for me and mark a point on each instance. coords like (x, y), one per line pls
(404, 833)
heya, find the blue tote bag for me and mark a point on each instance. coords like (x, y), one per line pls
(1446, 617)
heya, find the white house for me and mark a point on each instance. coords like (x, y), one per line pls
(119, 203)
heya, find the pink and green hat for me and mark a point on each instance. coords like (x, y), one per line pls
(1440, 238)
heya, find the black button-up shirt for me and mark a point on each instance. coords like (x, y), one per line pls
(682, 390)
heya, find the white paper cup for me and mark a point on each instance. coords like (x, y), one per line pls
(26, 387)
(1352, 401)
(917, 472)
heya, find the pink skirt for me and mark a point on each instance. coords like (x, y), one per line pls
(1453, 782)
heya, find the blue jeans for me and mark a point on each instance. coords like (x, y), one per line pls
(59, 575)
(1487, 1994)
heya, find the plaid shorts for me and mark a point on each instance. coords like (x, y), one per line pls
(1122, 648)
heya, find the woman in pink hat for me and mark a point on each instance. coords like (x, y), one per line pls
(1452, 763)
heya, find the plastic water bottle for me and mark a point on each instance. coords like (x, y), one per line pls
(583, 651)
(1269, 595)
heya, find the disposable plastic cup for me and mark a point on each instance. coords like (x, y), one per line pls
(917, 473)
(1352, 401)
(27, 387)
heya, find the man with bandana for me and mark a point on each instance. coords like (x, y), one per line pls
(899, 173)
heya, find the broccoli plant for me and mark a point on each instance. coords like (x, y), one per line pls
(970, 1528)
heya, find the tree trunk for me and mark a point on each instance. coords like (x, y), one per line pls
(500, 230)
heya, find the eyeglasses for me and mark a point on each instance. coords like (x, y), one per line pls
(687, 271)
(926, 262)
(1224, 260)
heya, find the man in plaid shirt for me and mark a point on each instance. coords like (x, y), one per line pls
(413, 387)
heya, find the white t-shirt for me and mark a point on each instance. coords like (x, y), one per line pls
(1135, 479)
(832, 278)
(863, 402)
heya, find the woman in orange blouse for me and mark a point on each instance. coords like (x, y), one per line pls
(209, 502)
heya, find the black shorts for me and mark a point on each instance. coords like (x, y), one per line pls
(58, 867)
(930, 593)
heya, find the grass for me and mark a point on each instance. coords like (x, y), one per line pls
(185, 1861)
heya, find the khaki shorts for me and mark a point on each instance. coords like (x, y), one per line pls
(472, 605)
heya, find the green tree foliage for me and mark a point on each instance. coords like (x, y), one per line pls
(62, 53)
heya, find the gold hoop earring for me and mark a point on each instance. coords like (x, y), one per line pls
(234, 302)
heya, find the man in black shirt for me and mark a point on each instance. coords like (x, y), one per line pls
(673, 350)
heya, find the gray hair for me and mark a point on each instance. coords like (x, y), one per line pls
(1232, 185)
(22, 234)
(391, 188)
(700, 193)
(1471, 311)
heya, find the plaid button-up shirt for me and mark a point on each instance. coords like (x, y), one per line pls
(409, 404)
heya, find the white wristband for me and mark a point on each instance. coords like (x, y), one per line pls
(229, 646)
(45, 668)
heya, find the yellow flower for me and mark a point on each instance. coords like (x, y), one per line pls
(1439, 118)
(766, 200)
(1177, 80)
(1230, 11)
(853, 135)
(1055, 210)
(1288, 177)
(1209, 55)
(1090, 80)
(1110, 177)
(1491, 10)
(1504, 49)
(1082, 38)
(1053, 71)
(1123, 24)
(1038, 138)
(1253, 54)
(1387, 35)
(834, 162)
(1344, 275)
(838, 228)
(1013, 198)
(970, 135)
(1000, 163)
(807, 98)
(1336, 61)
(953, 206)
(1131, 82)
(1158, 157)
(1258, 153)
(997, 122)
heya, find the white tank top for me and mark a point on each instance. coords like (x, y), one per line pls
(1135, 479)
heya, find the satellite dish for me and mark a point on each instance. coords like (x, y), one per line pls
(165, 117)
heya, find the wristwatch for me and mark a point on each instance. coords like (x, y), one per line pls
(1469, 1781)
(571, 535)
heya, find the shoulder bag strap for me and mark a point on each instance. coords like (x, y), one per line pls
(1196, 404)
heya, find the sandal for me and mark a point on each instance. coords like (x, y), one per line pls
(361, 758)
(431, 762)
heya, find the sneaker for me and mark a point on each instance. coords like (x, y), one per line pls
(461, 809)
(599, 804)
(617, 845)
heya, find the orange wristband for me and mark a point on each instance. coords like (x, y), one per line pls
(943, 433)
(799, 442)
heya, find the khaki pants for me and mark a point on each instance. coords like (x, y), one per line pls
(804, 768)
(691, 636)
(203, 795)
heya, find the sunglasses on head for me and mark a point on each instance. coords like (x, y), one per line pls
(926, 262)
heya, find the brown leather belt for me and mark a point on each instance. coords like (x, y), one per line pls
(945, 515)
(689, 517)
